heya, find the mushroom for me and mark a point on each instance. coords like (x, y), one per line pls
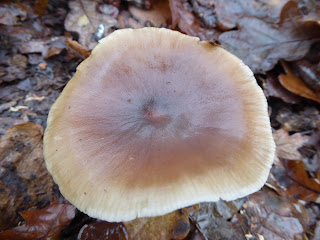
(155, 120)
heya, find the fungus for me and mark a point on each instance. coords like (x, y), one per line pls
(155, 120)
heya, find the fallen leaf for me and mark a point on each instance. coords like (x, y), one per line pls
(295, 85)
(214, 218)
(273, 88)
(275, 217)
(40, 6)
(158, 16)
(310, 73)
(261, 44)
(228, 13)
(84, 19)
(79, 49)
(174, 225)
(188, 23)
(305, 120)
(290, 179)
(296, 171)
(12, 13)
(103, 231)
(24, 180)
(48, 47)
(287, 145)
(45, 223)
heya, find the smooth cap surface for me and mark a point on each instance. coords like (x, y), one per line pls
(154, 121)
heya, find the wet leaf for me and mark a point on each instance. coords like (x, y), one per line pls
(261, 44)
(214, 218)
(174, 225)
(103, 231)
(275, 217)
(295, 85)
(24, 180)
(46, 223)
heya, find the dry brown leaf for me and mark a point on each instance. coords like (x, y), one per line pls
(189, 24)
(40, 6)
(273, 88)
(287, 145)
(24, 180)
(228, 13)
(296, 171)
(290, 179)
(84, 19)
(79, 49)
(261, 44)
(174, 225)
(305, 120)
(295, 85)
(158, 16)
(46, 223)
(47, 47)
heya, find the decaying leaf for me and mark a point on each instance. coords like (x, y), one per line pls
(290, 179)
(305, 120)
(295, 85)
(273, 88)
(287, 145)
(48, 47)
(174, 225)
(309, 72)
(296, 171)
(275, 217)
(79, 49)
(24, 180)
(85, 20)
(103, 231)
(11, 13)
(261, 44)
(214, 218)
(158, 16)
(46, 223)
(228, 13)
(188, 23)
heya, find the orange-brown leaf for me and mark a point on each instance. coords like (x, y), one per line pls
(46, 223)
(295, 85)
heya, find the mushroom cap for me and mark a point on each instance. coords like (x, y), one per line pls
(155, 120)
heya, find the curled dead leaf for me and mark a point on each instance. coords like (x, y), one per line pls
(295, 84)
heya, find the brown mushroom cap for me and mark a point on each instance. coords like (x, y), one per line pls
(154, 121)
